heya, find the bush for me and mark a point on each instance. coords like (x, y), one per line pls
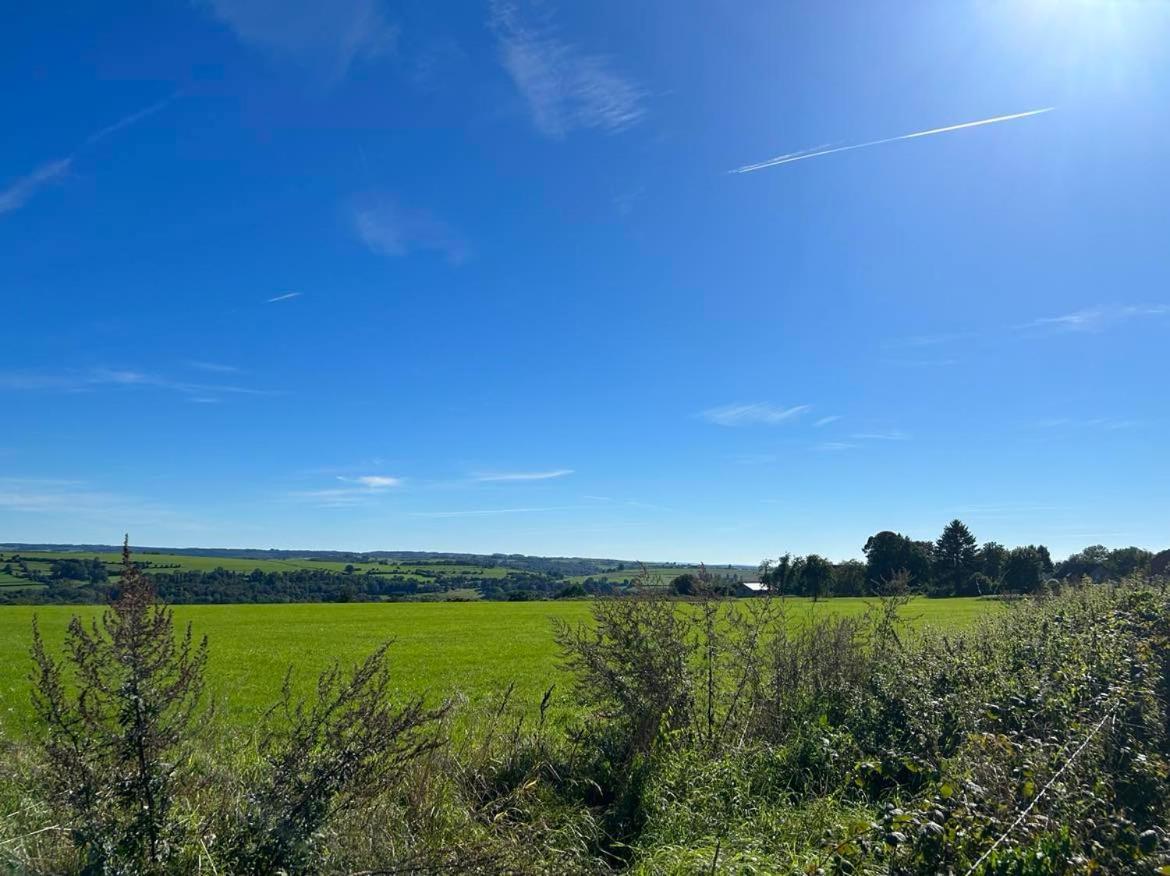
(116, 728)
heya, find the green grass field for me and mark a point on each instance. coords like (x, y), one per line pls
(153, 561)
(661, 574)
(475, 649)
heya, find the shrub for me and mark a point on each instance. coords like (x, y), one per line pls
(116, 727)
(346, 746)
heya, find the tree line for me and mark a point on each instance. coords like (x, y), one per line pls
(954, 564)
(86, 581)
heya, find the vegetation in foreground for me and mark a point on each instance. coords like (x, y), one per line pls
(716, 737)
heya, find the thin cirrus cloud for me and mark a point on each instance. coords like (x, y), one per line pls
(509, 476)
(213, 367)
(1108, 424)
(1094, 319)
(373, 482)
(328, 38)
(565, 88)
(102, 378)
(888, 435)
(482, 512)
(835, 446)
(819, 151)
(824, 421)
(756, 413)
(359, 490)
(20, 191)
(287, 296)
(76, 498)
(389, 229)
(1086, 321)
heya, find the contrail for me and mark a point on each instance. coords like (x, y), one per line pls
(129, 120)
(22, 189)
(817, 153)
(285, 297)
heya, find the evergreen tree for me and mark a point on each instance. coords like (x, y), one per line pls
(956, 560)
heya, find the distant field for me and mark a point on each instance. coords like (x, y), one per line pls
(474, 648)
(163, 563)
(661, 574)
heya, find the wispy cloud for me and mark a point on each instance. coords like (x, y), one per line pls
(485, 477)
(479, 512)
(824, 421)
(97, 378)
(565, 88)
(362, 490)
(373, 482)
(388, 229)
(20, 191)
(1084, 321)
(1108, 424)
(327, 37)
(213, 367)
(833, 446)
(74, 498)
(752, 414)
(888, 435)
(1094, 319)
(818, 152)
(287, 296)
(132, 119)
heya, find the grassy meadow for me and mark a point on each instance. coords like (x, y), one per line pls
(475, 649)
(160, 563)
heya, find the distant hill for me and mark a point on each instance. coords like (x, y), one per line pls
(553, 565)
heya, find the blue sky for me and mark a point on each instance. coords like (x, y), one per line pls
(478, 277)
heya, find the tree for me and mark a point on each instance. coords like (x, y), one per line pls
(888, 554)
(1128, 561)
(955, 560)
(816, 577)
(686, 584)
(117, 725)
(1160, 564)
(784, 575)
(1089, 562)
(992, 557)
(1023, 571)
(849, 579)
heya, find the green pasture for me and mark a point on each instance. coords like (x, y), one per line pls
(152, 561)
(470, 649)
(662, 574)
